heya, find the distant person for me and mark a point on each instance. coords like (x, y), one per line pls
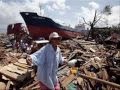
(47, 60)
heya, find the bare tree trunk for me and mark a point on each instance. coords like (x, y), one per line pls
(91, 32)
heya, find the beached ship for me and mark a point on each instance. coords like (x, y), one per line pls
(40, 26)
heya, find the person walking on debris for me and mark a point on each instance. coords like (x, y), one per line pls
(47, 60)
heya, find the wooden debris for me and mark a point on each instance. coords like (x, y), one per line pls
(21, 65)
(79, 80)
(82, 47)
(32, 85)
(8, 85)
(67, 80)
(92, 50)
(99, 64)
(101, 81)
(11, 71)
(2, 86)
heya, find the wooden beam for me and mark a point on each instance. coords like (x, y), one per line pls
(21, 65)
(8, 85)
(32, 85)
(100, 80)
(115, 69)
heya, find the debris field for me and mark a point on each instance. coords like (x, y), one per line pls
(97, 67)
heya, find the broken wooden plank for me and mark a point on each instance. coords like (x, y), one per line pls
(79, 80)
(81, 46)
(8, 74)
(21, 65)
(92, 50)
(67, 80)
(84, 58)
(32, 85)
(100, 80)
(13, 68)
(13, 74)
(15, 71)
(115, 69)
(8, 85)
(60, 68)
(36, 87)
(83, 66)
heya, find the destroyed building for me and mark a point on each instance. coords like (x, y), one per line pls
(96, 67)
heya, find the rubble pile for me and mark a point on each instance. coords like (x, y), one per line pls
(92, 71)
(96, 67)
(2, 50)
(7, 55)
(14, 71)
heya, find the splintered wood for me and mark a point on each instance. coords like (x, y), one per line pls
(67, 80)
(98, 69)
(15, 71)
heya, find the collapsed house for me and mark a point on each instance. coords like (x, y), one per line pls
(96, 67)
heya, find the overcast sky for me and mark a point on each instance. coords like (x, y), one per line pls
(67, 12)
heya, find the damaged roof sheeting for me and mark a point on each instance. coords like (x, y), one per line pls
(91, 66)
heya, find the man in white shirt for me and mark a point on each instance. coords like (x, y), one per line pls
(47, 60)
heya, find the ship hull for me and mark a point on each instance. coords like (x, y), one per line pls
(36, 32)
(39, 26)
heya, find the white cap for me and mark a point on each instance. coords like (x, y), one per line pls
(54, 35)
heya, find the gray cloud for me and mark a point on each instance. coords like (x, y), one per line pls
(10, 9)
(88, 14)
